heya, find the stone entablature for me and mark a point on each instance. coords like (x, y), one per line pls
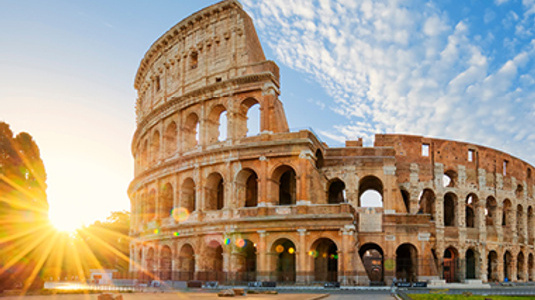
(280, 205)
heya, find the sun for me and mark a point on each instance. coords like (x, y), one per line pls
(65, 221)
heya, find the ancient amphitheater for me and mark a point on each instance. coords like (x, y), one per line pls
(213, 200)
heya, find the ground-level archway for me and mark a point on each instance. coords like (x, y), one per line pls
(372, 257)
(407, 263)
(186, 262)
(451, 262)
(285, 263)
(492, 266)
(325, 255)
(471, 262)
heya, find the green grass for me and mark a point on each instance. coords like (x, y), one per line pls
(459, 297)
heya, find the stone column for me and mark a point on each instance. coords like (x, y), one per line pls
(262, 268)
(301, 268)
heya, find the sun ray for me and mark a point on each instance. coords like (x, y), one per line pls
(43, 257)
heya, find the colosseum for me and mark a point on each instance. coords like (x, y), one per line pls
(214, 199)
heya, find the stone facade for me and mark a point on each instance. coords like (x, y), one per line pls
(283, 206)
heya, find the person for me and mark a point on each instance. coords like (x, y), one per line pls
(393, 287)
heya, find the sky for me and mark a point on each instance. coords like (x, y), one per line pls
(461, 70)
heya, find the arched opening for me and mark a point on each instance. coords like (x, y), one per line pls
(407, 263)
(215, 195)
(213, 257)
(286, 178)
(520, 270)
(492, 266)
(449, 179)
(284, 253)
(520, 223)
(191, 132)
(187, 195)
(471, 210)
(145, 154)
(155, 146)
(507, 213)
(186, 261)
(165, 263)
(170, 139)
(427, 203)
(370, 192)
(470, 264)
(531, 270)
(247, 263)
(491, 212)
(507, 266)
(336, 192)
(519, 192)
(531, 224)
(406, 199)
(450, 203)
(373, 260)
(166, 200)
(319, 159)
(325, 255)
(217, 124)
(247, 188)
(151, 206)
(450, 265)
(248, 122)
(149, 262)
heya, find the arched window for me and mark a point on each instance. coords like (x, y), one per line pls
(319, 159)
(145, 154)
(286, 178)
(427, 203)
(253, 118)
(336, 192)
(491, 212)
(507, 213)
(471, 206)
(170, 139)
(406, 199)
(187, 196)
(520, 223)
(370, 192)
(155, 146)
(215, 192)
(247, 188)
(450, 204)
(217, 124)
(166, 200)
(191, 132)
(449, 179)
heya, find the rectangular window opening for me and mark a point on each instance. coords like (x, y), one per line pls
(505, 168)
(425, 149)
(471, 154)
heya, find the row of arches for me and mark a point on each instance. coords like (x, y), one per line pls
(218, 126)
(161, 205)
(322, 258)
(486, 213)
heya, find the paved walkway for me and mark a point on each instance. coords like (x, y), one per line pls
(360, 296)
(176, 296)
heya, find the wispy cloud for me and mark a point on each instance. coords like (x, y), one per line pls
(406, 68)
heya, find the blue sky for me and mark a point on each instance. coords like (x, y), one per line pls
(460, 70)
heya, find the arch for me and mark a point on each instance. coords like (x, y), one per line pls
(372, 257)
(531, 225)
(450, 207)
(166, 263)
(507, 266)
(151, 206)
(325, 254)
(507, 213)
(492, 266)
(145, 154)
(213, 259)
(491, 211)
(166, 200)
(217, 124)
(170, 139)
(246, 265)
(471, 206)
(451, 257)
(407, 263)
(471, 264)
(284, 260)
(405, 195)
(427, 203)
(250, 108)
(247, 188)
(215, 192)
(186, 262)
(336, 194)
(520, 223)
(450, 178)
(520, 268)
(531, 270)
(149, 262)
(319, 159)
(370, 192)
(187, 195)
(285, 176)
(190, 132)
(155, 146)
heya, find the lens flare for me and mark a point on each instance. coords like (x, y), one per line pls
(180, 214)
(241, 243)
(156, 231)
(176, 233)
(279, 249)
(291, 250)
(313, 253)
(226, 241)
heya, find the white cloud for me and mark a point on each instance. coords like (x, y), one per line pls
(405, 68)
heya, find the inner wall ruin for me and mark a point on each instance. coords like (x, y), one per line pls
(214, 200)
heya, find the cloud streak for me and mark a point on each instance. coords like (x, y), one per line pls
(395, 67)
